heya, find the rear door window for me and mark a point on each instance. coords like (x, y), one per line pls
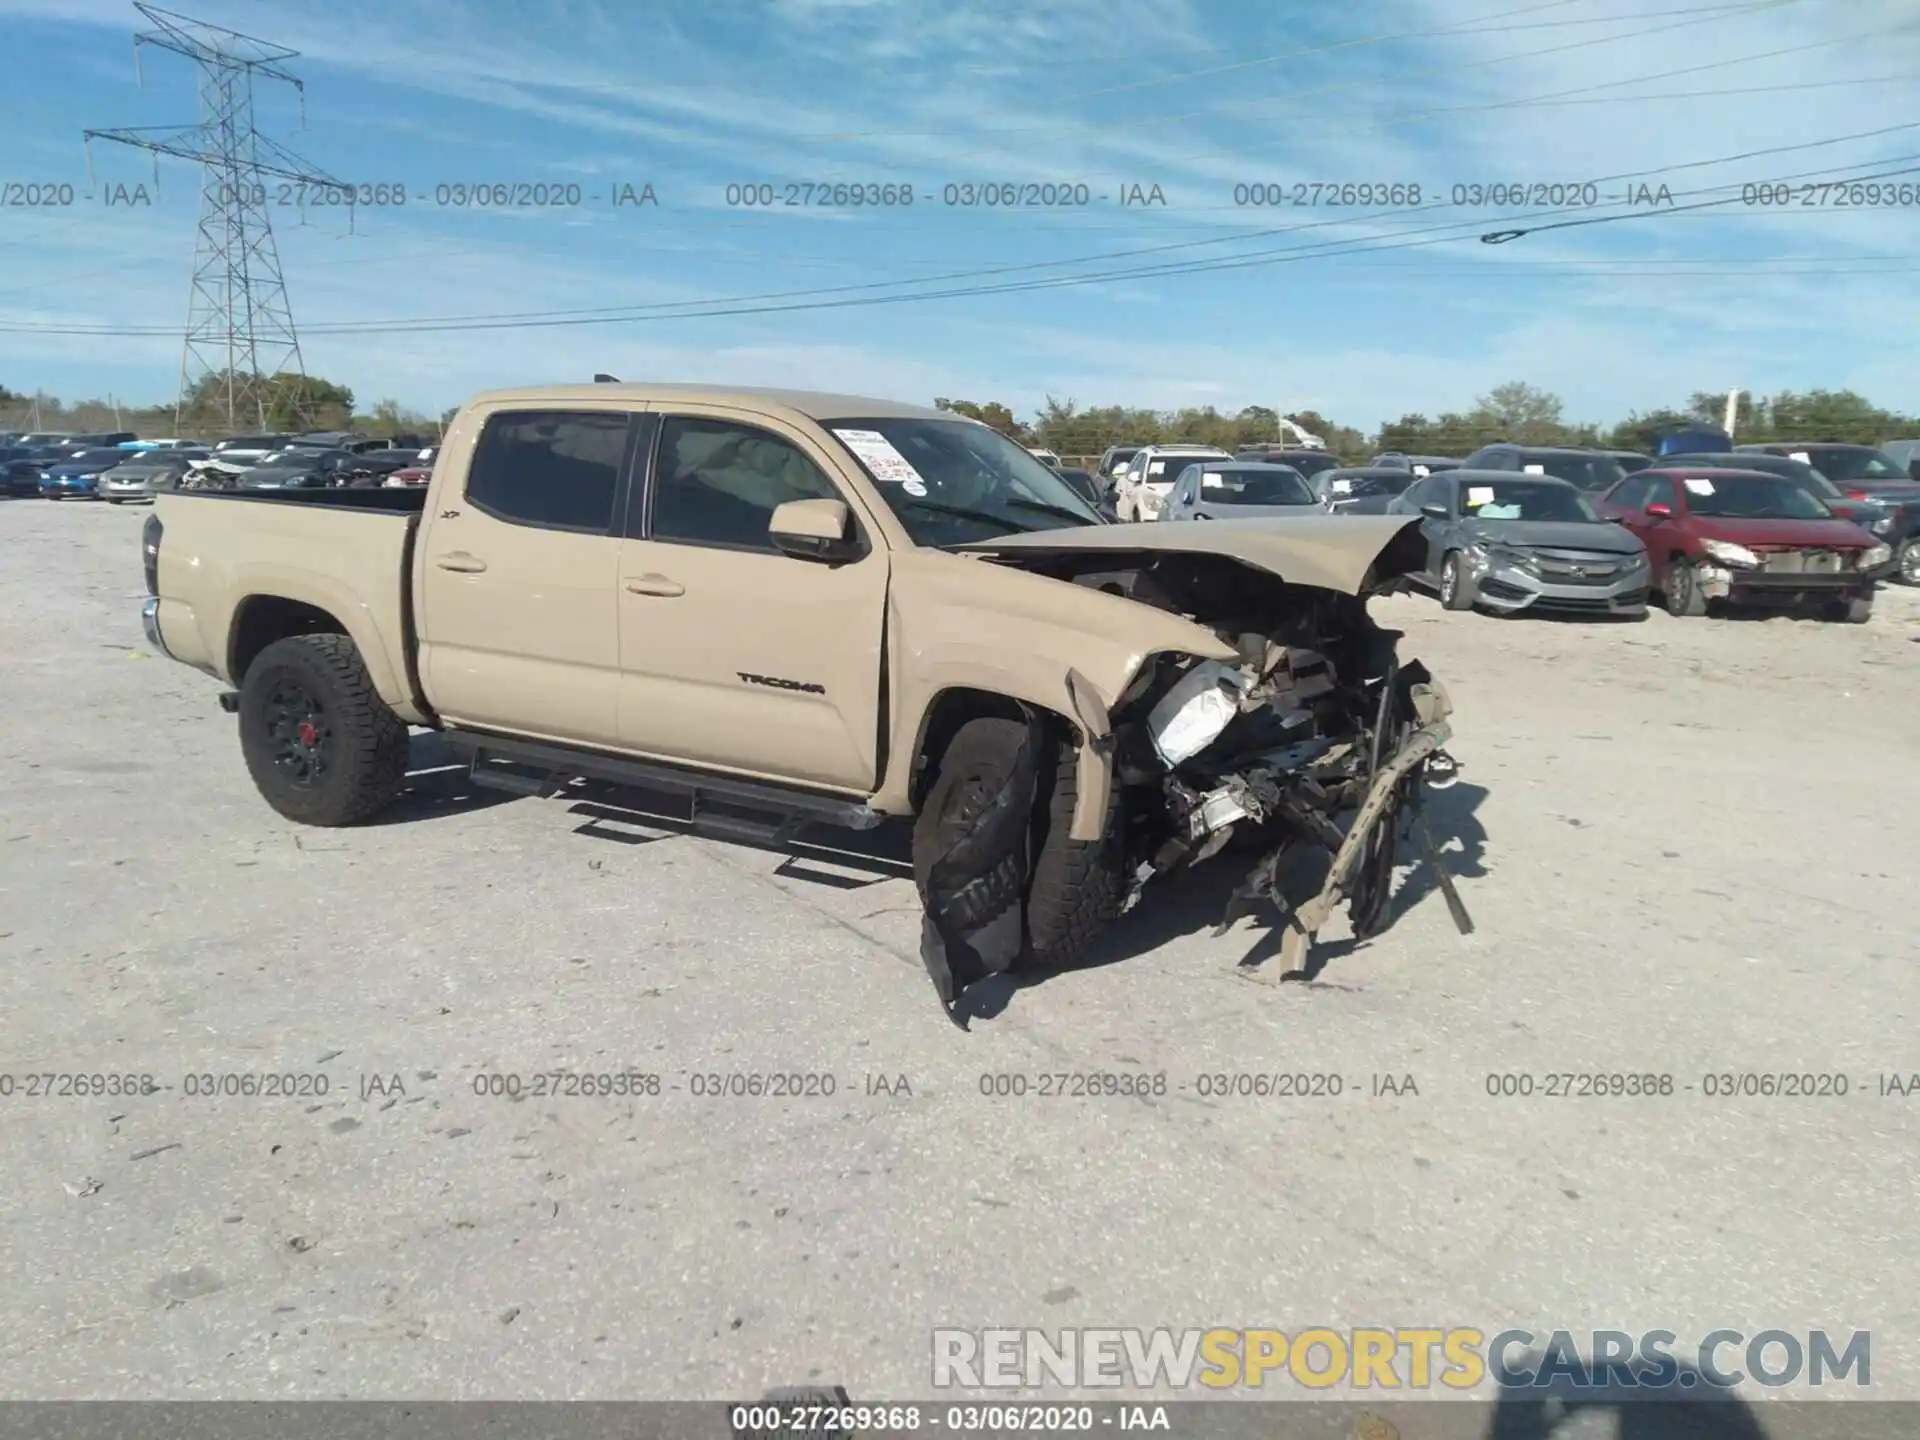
(558, 470)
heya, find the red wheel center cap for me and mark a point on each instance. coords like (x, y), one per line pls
(308, 735)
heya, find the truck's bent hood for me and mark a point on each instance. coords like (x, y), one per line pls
(1332, 552)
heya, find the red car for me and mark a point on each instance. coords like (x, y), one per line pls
(1745, 537)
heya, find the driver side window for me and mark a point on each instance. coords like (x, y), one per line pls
(717, 482)
(1659, 492)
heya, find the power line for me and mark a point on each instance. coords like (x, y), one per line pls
(1166, 248)
(725, 309)
(239, 322)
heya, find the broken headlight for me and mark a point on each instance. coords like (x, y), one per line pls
(1728, 553)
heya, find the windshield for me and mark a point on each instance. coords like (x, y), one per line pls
(953, 481)
(1780, 465)
(1752, 497)
(1278, 486)
(1591, 473)
(1524, 500)
(97, 457)
(1347, 485)
(1312, 464)
(1119, 457)
(1164, 466)
(1634, 464)
(1863, 464)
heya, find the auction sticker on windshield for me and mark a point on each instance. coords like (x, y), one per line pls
(1156, 467)
(1700, 487)
(888, 465)
(1536, 469)
(1802, 456)
(1479, 495)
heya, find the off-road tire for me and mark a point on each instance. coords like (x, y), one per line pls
(1075, 887)
(367, 766)
(1459, 597)
(1680, 590)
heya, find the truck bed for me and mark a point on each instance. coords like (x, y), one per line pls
(224, 554)
(407, 500)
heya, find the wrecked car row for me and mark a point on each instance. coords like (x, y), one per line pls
(796, 609)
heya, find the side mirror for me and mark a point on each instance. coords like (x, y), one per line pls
(1435, 512)
(1658, 511)
(814, 530)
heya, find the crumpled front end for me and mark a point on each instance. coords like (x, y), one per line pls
(1316, 737)
(1319, 738)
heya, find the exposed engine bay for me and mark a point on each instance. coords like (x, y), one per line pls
(1317, 738)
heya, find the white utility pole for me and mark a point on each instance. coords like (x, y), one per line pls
(1733, 411)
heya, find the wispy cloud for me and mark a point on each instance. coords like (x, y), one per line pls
(699, 96)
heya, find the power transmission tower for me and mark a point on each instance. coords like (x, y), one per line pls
(239, 323)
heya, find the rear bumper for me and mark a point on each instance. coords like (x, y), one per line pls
(150, 622)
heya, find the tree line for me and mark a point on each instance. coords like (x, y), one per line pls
(212, 410)
(1515, 411)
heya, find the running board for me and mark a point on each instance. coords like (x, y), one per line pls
(787, 810)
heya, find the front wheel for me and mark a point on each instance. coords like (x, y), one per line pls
(1909, 567)
(1682, 590)
(1074, 888)
(1454, 594)
(112, 501)
(322, 746)
(1857, 611)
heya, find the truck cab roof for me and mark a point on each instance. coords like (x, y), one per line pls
(810, 404)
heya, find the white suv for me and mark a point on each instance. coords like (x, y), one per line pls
(1140, 490)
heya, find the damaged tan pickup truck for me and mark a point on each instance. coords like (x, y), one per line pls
(798, 609)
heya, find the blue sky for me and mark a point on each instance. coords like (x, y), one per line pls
(1387, 311)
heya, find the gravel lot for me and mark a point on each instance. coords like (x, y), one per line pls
(1680, 841)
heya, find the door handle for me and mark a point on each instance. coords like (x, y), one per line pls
(462, 562)
(655, 585)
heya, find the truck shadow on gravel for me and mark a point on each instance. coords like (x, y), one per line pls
(1195, 905)
(438, 785)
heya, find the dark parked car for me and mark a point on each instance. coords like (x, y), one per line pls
(20, 477)
(1895, 522)
(1903, 452)
(1748, 538)
(78, 476)
(1591, 471)
(1083, 483)
(1509, 543)
(101, 440)
(40, 439)
(299, 469)
(1238, 490)
(1361, 489)
(1418, 464)
(1308, 462)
